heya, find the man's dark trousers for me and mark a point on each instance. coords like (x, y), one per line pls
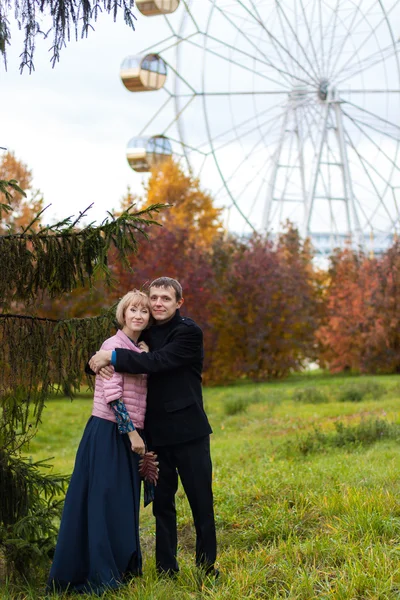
(192, 461)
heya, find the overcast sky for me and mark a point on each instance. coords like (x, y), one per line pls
(71, 124)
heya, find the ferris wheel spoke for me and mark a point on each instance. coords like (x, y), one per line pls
(374, 115)
(287, 68)
(254, 46)
(332, 219)
(321, 37)
(310, 36)
(247, 68)
(380, 175)
(367, 91)
(369, 219)
(367, 172)
(294, 33)
(165, 48)
(369, 36)
(155, 115)
(251, 151)
(350, 28)
(378, 147)
(276, 42)
(244, 132)
(307, 117)
(313, 117)
(237, 93)
(190, 13)
(328, 187)
(367, 63)
(334, 13)
(245, 187)
(363, 123)
(234, 138)
(180, 78)
(264, 60)
(179, 114)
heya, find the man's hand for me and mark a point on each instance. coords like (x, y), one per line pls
(102, 358)
(106, 372)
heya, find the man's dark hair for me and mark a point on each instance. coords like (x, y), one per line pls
(169, 282)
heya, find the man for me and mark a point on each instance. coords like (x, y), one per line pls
(176, 425)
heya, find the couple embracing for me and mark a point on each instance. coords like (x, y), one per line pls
(147, 392)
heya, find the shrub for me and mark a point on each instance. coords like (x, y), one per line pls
(356, 392)
(365, 433)
(235, 405)
(351, 393)
(310, 395)
(238, 404)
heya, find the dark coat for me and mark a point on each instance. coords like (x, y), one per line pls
(175, 411)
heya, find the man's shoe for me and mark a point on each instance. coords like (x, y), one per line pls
(210, 571)
(171, 573)
(213, 573)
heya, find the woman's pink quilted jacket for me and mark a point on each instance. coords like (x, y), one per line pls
(132, 389)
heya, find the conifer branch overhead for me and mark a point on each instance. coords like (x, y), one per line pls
(40, 356)
(66, 18)
(5, 189)
(58, 258)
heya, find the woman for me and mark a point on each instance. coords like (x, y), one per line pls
(98, 543)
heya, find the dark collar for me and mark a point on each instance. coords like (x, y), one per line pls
(174, 321)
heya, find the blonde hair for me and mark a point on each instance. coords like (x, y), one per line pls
(134, 297)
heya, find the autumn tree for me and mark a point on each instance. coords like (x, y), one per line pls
(362, 323)
(24, 207)
(265, 308)
(192, 208)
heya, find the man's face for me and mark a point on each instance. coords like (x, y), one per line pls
(163, 303)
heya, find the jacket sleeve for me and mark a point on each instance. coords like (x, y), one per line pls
(184, 349)
(114, 387)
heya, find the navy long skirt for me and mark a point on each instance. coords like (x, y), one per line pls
(98, 542)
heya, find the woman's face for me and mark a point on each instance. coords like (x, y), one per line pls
(136, 318)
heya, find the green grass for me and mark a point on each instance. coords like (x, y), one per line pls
(307, 492)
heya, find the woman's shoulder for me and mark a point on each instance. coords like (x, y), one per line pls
(110, 343)
(119, 340)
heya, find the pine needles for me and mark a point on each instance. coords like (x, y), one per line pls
(40, 356)
(60, 257)
(67, 18)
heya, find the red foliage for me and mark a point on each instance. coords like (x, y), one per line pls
(265, 313)
(361, 329)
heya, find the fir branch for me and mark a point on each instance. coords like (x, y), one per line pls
(68, 17)
(4, 189)
(58, 258)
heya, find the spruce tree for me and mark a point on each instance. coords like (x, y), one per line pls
(40, 356)
(57, 20)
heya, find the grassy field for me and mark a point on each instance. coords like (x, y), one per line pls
(307, 491)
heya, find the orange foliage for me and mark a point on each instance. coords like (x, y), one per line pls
(192, 208)
(24, 209)
(362, 325)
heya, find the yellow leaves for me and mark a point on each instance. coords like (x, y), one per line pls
(24, 209)
(192, 208)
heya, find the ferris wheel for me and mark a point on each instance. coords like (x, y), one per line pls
(286, 110)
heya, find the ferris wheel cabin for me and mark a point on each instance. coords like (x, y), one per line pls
(143, 153)
(141, 74)
(150, 8)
